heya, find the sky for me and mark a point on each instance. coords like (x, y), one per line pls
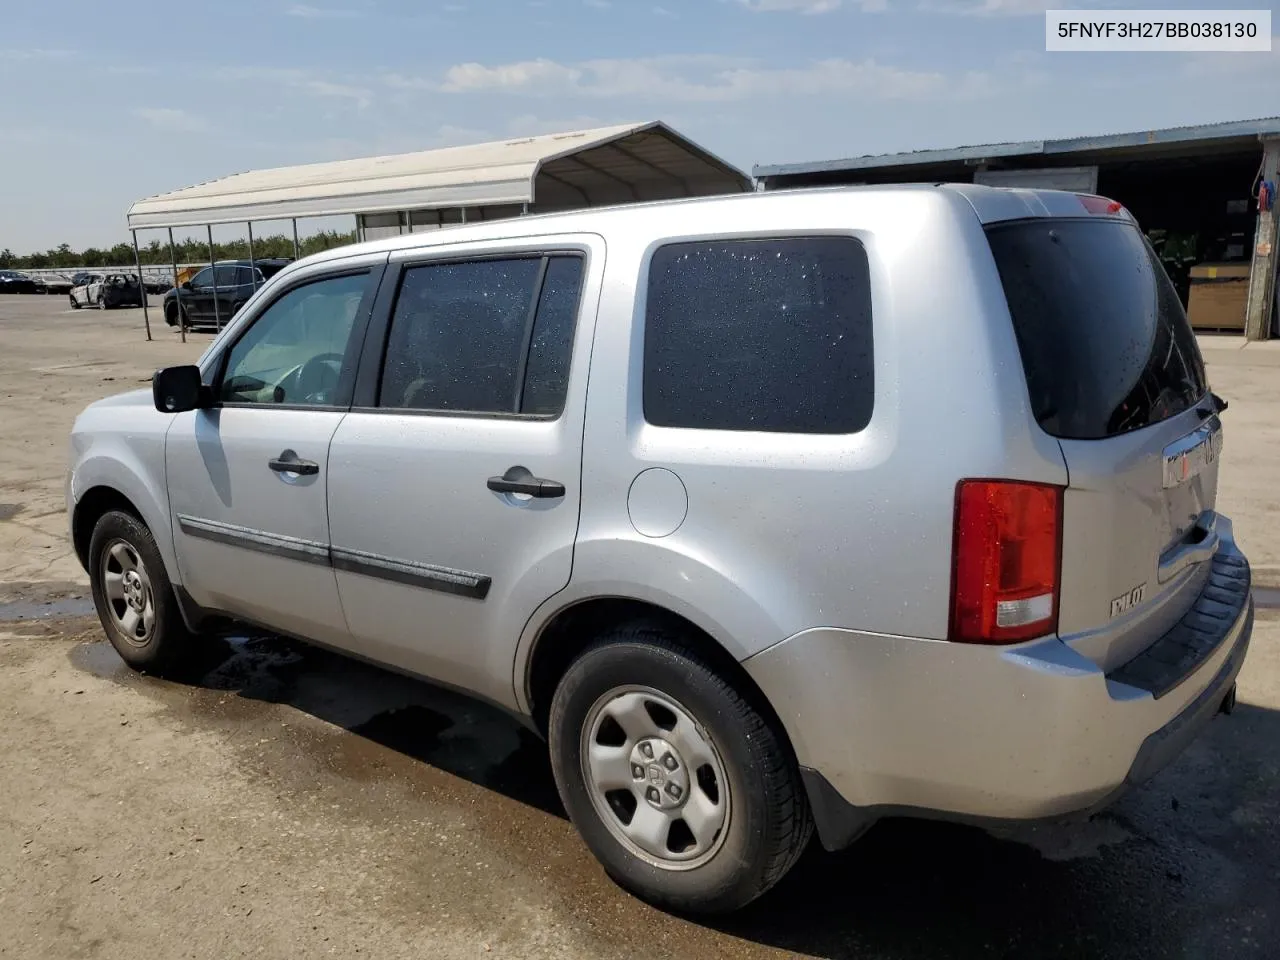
(98, 109)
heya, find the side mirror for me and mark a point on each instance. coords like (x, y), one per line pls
(186, 285)
(177, 389)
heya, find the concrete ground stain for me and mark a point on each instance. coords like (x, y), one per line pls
(480, 836)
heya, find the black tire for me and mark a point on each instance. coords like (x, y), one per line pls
(102, 301)
(74, 304)
(169, 644)
(769, 822)
(171, 314)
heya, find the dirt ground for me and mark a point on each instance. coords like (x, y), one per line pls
(283, 802)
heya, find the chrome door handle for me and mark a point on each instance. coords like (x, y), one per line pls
(288, 462)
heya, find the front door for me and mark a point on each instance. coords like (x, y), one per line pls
(248, 478)
(453, 501)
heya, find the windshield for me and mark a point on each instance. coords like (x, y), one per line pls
(1105, 342)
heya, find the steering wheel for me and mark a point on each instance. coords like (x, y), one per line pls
(316, 379)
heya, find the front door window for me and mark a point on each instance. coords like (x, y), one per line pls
(295, 350)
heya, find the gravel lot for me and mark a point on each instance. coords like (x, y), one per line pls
(283, 802)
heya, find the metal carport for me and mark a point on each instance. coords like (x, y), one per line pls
(435, 188)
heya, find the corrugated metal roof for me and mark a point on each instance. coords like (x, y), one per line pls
(502, 172)
(1230, 130)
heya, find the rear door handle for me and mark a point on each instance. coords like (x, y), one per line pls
(515, 481)
(288, 462)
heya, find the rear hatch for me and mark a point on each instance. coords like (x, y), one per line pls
(1115, 374)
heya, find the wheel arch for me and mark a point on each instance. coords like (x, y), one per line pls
(105, 483)
(577, 625)
(89, 509)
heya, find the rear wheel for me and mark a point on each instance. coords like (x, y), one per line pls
(133, 595)
(74, 304)
(682, 789)
(171, 312)
(102, 301)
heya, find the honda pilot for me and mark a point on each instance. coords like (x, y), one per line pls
(773, 514)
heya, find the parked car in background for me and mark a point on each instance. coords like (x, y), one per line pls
(983, 577)
(156, 286)
(50, 283)
(106, 290)
(11, 281)
(215, 293)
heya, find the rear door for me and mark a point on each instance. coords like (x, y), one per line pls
(198, 300)
(1114, 372)
(454, 483)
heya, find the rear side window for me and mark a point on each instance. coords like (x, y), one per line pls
(771, 335)
(483, 336)
(1105, 343)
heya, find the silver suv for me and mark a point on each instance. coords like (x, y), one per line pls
(769, 512)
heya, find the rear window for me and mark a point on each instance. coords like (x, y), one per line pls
(1105, 343)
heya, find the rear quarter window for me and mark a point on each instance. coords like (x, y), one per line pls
(770, 335)
(1105, 343)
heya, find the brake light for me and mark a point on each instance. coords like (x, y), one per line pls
(1099, 205)
(1006, 561)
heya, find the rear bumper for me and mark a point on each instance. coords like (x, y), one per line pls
(886, 725)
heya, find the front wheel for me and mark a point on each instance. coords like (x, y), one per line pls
(102, 301)
(75, 305)
(686, 792)
(133, 595)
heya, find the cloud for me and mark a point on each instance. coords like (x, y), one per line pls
(25, 55)
(1257, 66)
(525, 75)
(307, 12)
(325, 88)
(665, 13)
(531, 125)
(703, 79)
(302, 81)
(992, 8)
(810, 7)
(171, 119)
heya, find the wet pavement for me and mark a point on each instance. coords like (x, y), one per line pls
(1187, 867)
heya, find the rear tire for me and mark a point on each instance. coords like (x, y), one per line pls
(692, 800)
(172, 313)
(74, 304)
(134, 597)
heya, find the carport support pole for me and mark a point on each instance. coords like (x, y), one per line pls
(1262, 274)
(295, 238)
(253, 270)
(137, 260)
(177, 293)
(213, 271)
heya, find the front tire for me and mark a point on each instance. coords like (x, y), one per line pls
(74, 304)
(133, 595)
(686, 793)
(102, 301)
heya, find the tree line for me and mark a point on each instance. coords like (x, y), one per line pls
(188, 251)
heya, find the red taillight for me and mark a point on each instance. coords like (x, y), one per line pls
(1006, 561)
(1099, 205)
